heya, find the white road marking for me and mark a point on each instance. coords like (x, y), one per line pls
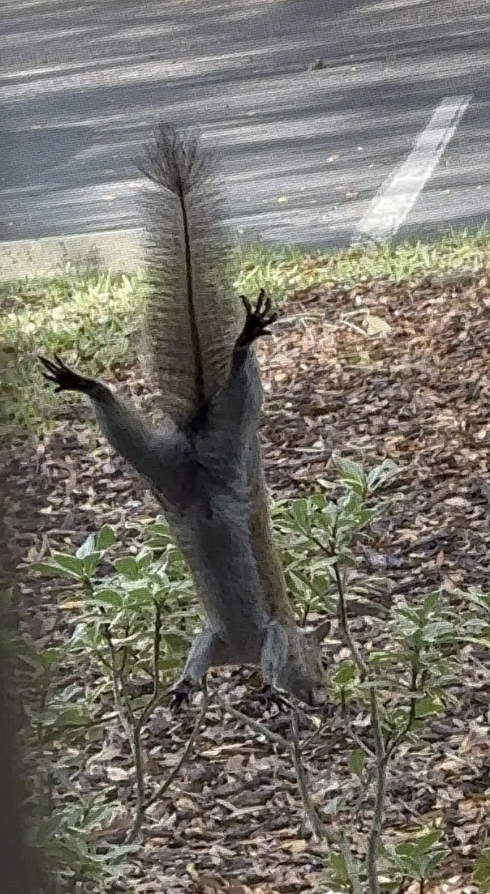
(397, 196)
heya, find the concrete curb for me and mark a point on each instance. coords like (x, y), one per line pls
(118, 250)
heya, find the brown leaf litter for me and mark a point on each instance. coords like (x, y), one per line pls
(380, 370)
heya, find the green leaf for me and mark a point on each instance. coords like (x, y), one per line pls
(177, 641)
(352, 475)
(475, 626)
(430, 602)
(438, 630)
(137, 596)
(364, 516)
(346, 674)
(408, 859)
(427, 706)
(350, 506)
(128, 566)
(145, 558)
(299, 511)
(357, 761)
(425, 840)
(87, 547)
(318, 501)
(105, 538)
(109, 596)
(70, 564)
(387, 471)
(90, 563)
(170, 662)
(482, 871)
(49, 658)
(72, 715)
(50, 569)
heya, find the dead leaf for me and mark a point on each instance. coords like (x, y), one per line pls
(376, 325)
(117, 774)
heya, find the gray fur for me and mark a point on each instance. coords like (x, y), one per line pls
(203, 463)
(202, 482)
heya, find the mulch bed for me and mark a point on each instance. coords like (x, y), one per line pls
(380, 370)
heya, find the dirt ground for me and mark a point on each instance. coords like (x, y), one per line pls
(381, 370)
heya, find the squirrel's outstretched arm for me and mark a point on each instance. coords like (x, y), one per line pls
(155, 451)
(152, 452)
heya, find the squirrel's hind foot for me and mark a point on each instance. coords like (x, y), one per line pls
(257, 320)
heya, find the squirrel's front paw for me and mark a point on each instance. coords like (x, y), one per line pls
(180, 694)
(270, 697)
(63, 377)
(257, 320)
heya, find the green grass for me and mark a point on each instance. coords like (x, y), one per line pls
(89, 318)
(288, 269)
(92, 318)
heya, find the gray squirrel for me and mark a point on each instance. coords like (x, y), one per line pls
(203, 463)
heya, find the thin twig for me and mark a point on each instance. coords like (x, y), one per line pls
(155, 697)
(381, 765)
(138, 726)
(350, 863)
(117, 692)
(362, 745)
(294, 750)
(187, 750)
(259, 728)
(345, 628)
(319, 729)
(370, 774)
(400, 736)
(380, 754)
(130, 725)
(342, 606)
(316, 825)
(353, 326)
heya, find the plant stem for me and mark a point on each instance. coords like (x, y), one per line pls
(257, 727)
(138, 726)
(344, 626)
(414, 682)
(294, 751)
(381, 764)
(380, 754)
(316, 824)
(186, 752)
(350, 864)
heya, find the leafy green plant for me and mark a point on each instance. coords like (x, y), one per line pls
(132, 613)
(399, 687)
(316, 535)
(132, 618)
(57, 737)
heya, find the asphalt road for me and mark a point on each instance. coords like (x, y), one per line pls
(304, 152)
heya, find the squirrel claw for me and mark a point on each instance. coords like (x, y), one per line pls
(269, 697)
(180, 695)
(63, 377)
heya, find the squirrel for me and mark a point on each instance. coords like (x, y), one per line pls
(203, 462)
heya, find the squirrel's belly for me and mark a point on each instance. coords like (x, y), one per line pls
(214, 538)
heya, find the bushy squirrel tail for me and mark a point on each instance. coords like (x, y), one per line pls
(191, 318)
